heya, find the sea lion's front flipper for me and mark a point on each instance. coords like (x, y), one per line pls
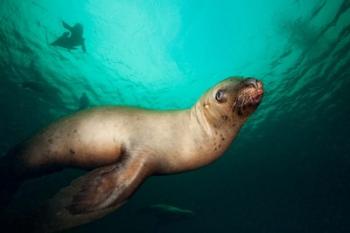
(93, 195)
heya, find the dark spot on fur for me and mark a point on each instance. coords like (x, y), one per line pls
(50, 140)
(224, 117)
(72, 151)
(75, 131)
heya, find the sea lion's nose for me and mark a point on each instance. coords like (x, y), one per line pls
(251, 82)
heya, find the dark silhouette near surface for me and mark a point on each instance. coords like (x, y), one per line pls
(71, 39)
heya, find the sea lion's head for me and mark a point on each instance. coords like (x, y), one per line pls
(233, 98)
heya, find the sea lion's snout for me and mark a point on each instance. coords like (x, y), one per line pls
(252, 91)
(257, 84)
(249, 96)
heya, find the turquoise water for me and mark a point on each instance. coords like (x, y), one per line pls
(289, 169)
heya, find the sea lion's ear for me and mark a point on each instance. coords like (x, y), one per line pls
(220, 96)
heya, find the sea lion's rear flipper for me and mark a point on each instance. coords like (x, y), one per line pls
(9, 181)
(67, 26)
(92, 196)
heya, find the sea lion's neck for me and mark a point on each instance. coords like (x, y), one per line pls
(213, 122)
(205, 140)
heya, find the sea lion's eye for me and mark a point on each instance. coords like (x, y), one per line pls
(220, 96)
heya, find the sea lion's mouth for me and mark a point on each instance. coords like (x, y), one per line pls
(256, 98)
(249, 96)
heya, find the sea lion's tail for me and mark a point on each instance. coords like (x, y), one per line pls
(9, 183)
(16, 222)
(8, 189)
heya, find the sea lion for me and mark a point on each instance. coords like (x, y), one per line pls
(71, 39)
(166, 215)
(124, 146)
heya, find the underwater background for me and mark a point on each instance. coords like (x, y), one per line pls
(289, 169)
